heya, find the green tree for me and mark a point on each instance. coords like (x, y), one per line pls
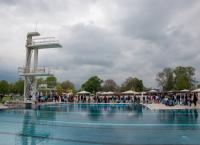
(19, 87)
(92, 85)
(132, 84)
(184, 78)
(165, 79)
(51, 81)
(12, 88)
(110, 85)
(41, 81)
(68, 86)
(4, 87)
(178, 78)
(59, 89)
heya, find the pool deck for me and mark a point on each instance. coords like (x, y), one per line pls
(164, 107)
(3, 107)
(153, 106)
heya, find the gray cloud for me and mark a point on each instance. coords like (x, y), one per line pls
(113, 39)
(91, 45)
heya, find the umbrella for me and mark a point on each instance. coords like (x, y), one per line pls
(196, 91)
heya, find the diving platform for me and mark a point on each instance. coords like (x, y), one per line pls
(31, 71)
(43, 43)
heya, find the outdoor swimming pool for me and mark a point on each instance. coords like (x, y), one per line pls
(101, 124)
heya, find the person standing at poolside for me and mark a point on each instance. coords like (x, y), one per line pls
(190, 100)
(195, 99)
(178, 97)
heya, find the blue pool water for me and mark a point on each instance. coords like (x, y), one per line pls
(82, 124)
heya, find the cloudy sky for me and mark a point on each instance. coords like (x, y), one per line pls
(113, 39)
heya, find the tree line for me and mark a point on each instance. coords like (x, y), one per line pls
(15, 88)
(93, 85)
(168, 79)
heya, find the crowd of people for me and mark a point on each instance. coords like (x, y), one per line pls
(102, 99)
(172, 99)
(164, 98)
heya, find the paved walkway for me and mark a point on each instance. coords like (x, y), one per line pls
(150, 106)
(164, 107)
(3, 107)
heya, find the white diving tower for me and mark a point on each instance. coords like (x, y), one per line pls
(30, 72)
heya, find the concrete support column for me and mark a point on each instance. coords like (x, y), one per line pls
(35, 58)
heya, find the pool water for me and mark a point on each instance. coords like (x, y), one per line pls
(103, 124)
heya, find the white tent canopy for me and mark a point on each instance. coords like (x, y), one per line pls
(110, 92)
(130, 92)
(153, 91)
(99, 92)
(107, 93)
(185, 90)
(83, 92)
(196, 91)
(171, 91)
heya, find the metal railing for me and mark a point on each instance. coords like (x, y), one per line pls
(43, 41)
(38, 70)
